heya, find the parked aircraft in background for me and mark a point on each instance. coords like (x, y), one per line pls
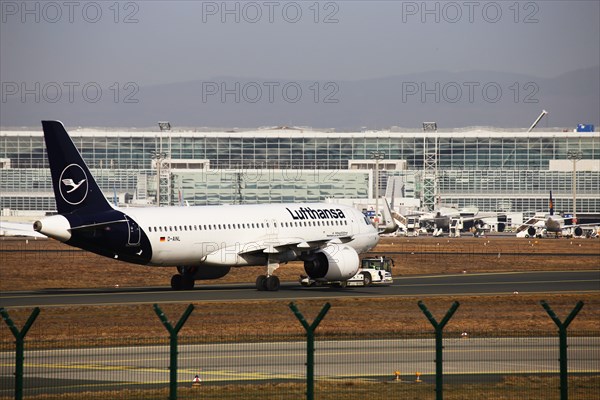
(202, 242)
(551, 223)
(451, 220)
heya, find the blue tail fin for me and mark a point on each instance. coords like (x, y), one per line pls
(551, 204)
(74, 186)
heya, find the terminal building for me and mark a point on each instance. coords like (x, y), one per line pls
(492, 169)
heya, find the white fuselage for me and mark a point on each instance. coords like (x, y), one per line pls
(217, 235)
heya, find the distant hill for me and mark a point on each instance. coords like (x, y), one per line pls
(450, 99)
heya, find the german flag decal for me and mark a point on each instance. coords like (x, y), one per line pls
(163, 239)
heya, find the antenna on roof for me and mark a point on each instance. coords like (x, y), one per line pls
(544, 112)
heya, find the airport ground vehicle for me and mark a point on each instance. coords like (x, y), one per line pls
(372, 271)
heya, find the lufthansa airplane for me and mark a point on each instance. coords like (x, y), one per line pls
(552, 223)
(203, 242)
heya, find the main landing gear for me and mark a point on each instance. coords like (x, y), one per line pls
(184, 280)
(268, 282)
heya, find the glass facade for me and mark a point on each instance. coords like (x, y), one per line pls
(268, 185)
(487, 168)
(30, 189)
(309, 149)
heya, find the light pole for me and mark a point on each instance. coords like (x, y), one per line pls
(429, 191)
(574, 156)
(377, 155)
(158, 157)
(164, 167)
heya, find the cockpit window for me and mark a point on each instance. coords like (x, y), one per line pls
(367, 220)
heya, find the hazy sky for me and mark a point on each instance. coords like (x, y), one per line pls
(128, 50)
(161, 42)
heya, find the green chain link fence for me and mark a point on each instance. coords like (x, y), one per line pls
(359, 365)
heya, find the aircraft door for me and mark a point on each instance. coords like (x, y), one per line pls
(134, 234)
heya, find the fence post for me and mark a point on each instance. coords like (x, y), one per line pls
(173, 331)
(20, 346)
(562, 336)
(310, 346)
(439, 346)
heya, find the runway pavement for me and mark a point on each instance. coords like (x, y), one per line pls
(438, 285)
(146, 364)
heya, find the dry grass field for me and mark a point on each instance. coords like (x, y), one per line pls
(510, 387)
(48, 264)
(218, 321)
(39, 265)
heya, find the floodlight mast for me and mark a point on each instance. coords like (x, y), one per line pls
(429, 191)
(163, 197)
(574, 156)
(544, 112)
(377, 155)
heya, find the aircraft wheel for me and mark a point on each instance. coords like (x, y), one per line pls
(177, 282)
(367, 279)
(261, 283)
(187, 282)
(272, 283)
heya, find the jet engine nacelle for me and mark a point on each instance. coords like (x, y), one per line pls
(336, 262)
(578, 231)
(531, 231)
